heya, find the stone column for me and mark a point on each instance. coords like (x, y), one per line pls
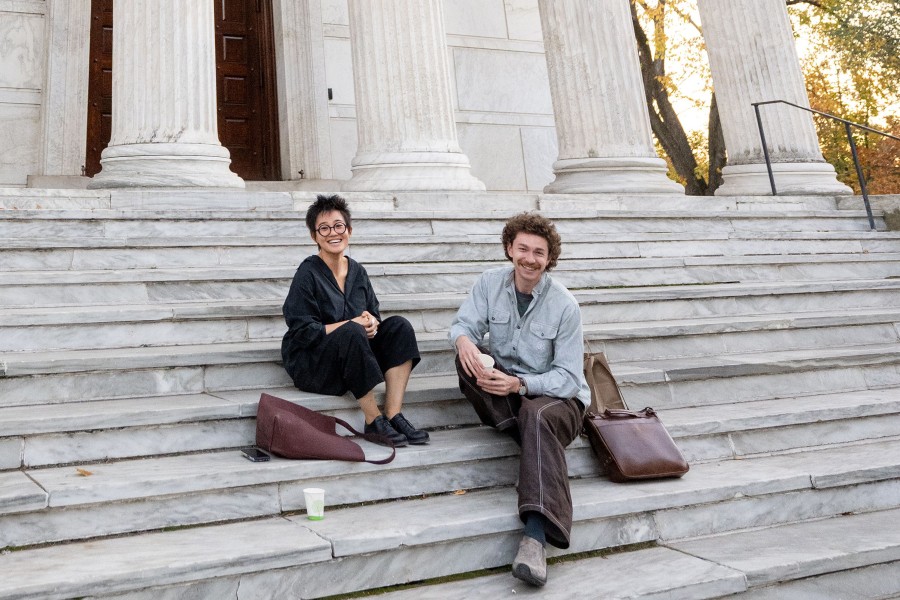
(302, 101)
(753, 59)
(63, 121)
(404, 114)
(605, 141)
(164, 130)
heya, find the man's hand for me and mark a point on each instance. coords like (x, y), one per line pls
(468, 356)
(495, 382)
(491, 381)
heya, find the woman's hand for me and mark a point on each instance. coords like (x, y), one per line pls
(495, 382)
(369, 322)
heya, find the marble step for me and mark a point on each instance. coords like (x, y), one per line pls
(647, 367)
(771, 426)
(82, 375)
(434, 312)
(839, 557)
(879, 581)
(141, 286)
(72, 328)
(49, 434)
(651, 573)
(141, 494)
(187, 223)
(434, 349)
(66, 503)
(491, 207)
(417, 539)
(262, 196)
(653, 340)
(638, 243)
(127, 253)
(800, 550)
(663, 303)
(707, 381)
(587, 274)
(124, 564)
(787, 297)
(44, 435)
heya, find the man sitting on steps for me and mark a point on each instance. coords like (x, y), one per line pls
(537, 393)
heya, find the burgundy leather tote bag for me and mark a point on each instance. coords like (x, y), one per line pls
(293, 431)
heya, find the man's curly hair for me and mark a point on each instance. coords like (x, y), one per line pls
(535, 224)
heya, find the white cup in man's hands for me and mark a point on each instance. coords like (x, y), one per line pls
(487, 361)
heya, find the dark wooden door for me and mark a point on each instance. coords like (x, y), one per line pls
(99, 116)
(245, 86)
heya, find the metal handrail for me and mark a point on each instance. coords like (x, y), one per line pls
(847, 127)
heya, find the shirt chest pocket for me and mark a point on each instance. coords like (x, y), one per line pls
(499, 326)
(542, 337)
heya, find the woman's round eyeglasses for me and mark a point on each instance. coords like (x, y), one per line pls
(338, 228)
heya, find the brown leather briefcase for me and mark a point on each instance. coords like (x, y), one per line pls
(634, 445)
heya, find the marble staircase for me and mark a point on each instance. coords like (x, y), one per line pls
(136, 337)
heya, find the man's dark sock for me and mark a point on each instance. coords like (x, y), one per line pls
(534, 527)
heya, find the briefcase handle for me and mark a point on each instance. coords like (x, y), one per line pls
(618, 413)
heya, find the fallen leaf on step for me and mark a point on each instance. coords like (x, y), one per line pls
(84, 472)
(459, 492)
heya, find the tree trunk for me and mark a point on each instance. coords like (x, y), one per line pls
(663, 120)
(716, 148)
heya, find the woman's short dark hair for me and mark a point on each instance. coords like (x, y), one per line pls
(326, 204)
(537, 225)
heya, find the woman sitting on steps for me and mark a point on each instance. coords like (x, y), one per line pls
(336, 340)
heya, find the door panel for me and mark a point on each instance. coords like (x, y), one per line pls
(99, 117)
(245, 86)
(245, 76)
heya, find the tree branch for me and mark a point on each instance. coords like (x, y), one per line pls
(687, 19)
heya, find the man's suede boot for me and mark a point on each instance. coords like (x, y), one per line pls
(530, 564)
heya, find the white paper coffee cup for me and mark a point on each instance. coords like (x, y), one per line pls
(315, 503)
(487, 361)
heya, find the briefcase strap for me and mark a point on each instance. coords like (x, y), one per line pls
(372, 437)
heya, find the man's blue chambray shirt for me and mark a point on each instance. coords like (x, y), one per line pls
(544, 346)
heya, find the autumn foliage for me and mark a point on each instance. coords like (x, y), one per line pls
(850, 55)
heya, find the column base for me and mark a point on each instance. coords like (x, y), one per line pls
(412, 172)
(791, 179)
(165, 165)
(612, 176)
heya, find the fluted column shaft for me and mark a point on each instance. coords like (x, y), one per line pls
(753, 59)
(63, 122)
(605, 141)
(404, 113)
(164, 130)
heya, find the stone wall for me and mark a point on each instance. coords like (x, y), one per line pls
(22, 49)
(499, 87)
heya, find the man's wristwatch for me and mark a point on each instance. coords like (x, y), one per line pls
(523, 389)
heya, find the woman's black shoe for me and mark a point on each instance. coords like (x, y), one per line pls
(415, 436)
(380, 426)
